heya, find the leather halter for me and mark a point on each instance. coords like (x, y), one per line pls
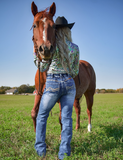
(40, 93)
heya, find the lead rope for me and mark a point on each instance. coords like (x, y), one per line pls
(39, 76)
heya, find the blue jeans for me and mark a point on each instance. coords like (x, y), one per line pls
(58, 87)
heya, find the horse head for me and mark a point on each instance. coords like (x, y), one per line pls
(44, 30)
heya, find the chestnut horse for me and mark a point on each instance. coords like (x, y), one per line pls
(44, 40)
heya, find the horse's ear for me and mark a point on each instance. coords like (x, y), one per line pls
(52, 10)
(34, 9)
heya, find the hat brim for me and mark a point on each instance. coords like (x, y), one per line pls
(64, 25)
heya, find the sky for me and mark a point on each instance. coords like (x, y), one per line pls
(98, 31)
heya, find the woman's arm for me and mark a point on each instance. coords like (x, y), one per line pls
(74, 57)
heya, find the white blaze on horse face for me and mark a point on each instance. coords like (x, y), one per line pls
(44, 34)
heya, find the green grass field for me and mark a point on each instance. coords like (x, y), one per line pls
(17, 137)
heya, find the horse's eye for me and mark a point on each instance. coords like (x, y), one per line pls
(34, 25)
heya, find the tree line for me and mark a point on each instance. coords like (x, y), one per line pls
(29, 89)
(120, 90)
(21, 89)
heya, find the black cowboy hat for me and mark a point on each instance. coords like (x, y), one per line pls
(62, 22)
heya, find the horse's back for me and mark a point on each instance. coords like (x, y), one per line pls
(86, 81)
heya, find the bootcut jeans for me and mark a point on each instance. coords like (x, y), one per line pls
(58, 87)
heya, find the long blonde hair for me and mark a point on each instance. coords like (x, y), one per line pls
(61, 35)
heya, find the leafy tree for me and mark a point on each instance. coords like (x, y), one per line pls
(26, 89)
(111, 91)
(31, 89)
(23, 89)
(120, 90)
(3, 89)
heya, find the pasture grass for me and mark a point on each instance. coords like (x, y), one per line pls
(17, 137)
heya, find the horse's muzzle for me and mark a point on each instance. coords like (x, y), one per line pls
(45, 52)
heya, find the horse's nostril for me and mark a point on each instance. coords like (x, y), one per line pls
(40, 49)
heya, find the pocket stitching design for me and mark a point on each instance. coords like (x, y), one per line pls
(52, 89)
(67, 87)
